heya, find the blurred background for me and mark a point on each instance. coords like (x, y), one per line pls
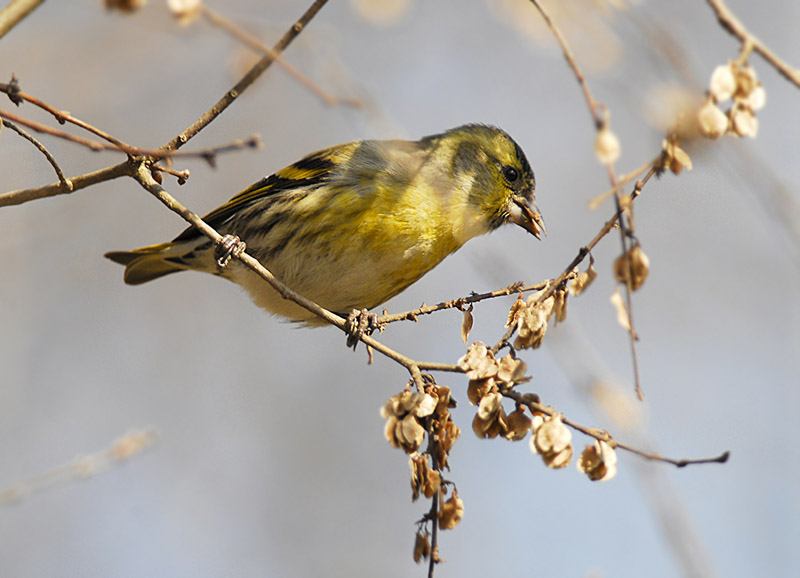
(270, 458)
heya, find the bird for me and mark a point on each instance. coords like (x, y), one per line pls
(351, 226)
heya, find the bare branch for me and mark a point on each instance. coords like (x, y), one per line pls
(460, 302)
(44, 129)
(65, 184)
(16, 95)
(535, 406)
(21, 196)
(208, 154)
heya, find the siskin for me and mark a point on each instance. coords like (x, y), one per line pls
(351, 226)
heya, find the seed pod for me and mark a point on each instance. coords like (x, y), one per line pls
(712, 121)
(632, 267)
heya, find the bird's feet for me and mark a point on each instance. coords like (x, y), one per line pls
(226, 248)
(360, 323)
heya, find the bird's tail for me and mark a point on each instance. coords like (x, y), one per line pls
(147, 263)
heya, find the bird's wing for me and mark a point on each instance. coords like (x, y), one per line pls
(309, 171)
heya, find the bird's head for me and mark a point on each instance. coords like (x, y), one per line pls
(495, 175)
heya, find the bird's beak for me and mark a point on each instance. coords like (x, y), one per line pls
(521, 214)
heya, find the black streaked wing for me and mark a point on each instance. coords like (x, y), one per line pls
(308, 171)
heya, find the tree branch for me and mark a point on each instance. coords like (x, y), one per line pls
(604, 436)
(208, 155)
(62, 180)
(460, 302)
(21, 196)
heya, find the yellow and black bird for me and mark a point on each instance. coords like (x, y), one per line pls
(353, 225)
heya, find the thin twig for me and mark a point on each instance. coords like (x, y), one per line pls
(432, 366)
(65, 184)
(44, 129)
(17, 96)
(604, 436)
(734, 26)
(181, 176)
(622, 182)
(246, 80)
(209, 154)
(459, 302)
(433, 513)
(626, 232)
(21, 196)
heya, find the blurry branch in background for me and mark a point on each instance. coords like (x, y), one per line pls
(736, 81)
(82, 467)
(14, 12)
(623, 181)
(255, 44)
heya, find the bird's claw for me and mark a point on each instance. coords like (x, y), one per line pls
(227, 247)
(360, 323)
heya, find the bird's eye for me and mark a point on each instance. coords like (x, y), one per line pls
(511, 174)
